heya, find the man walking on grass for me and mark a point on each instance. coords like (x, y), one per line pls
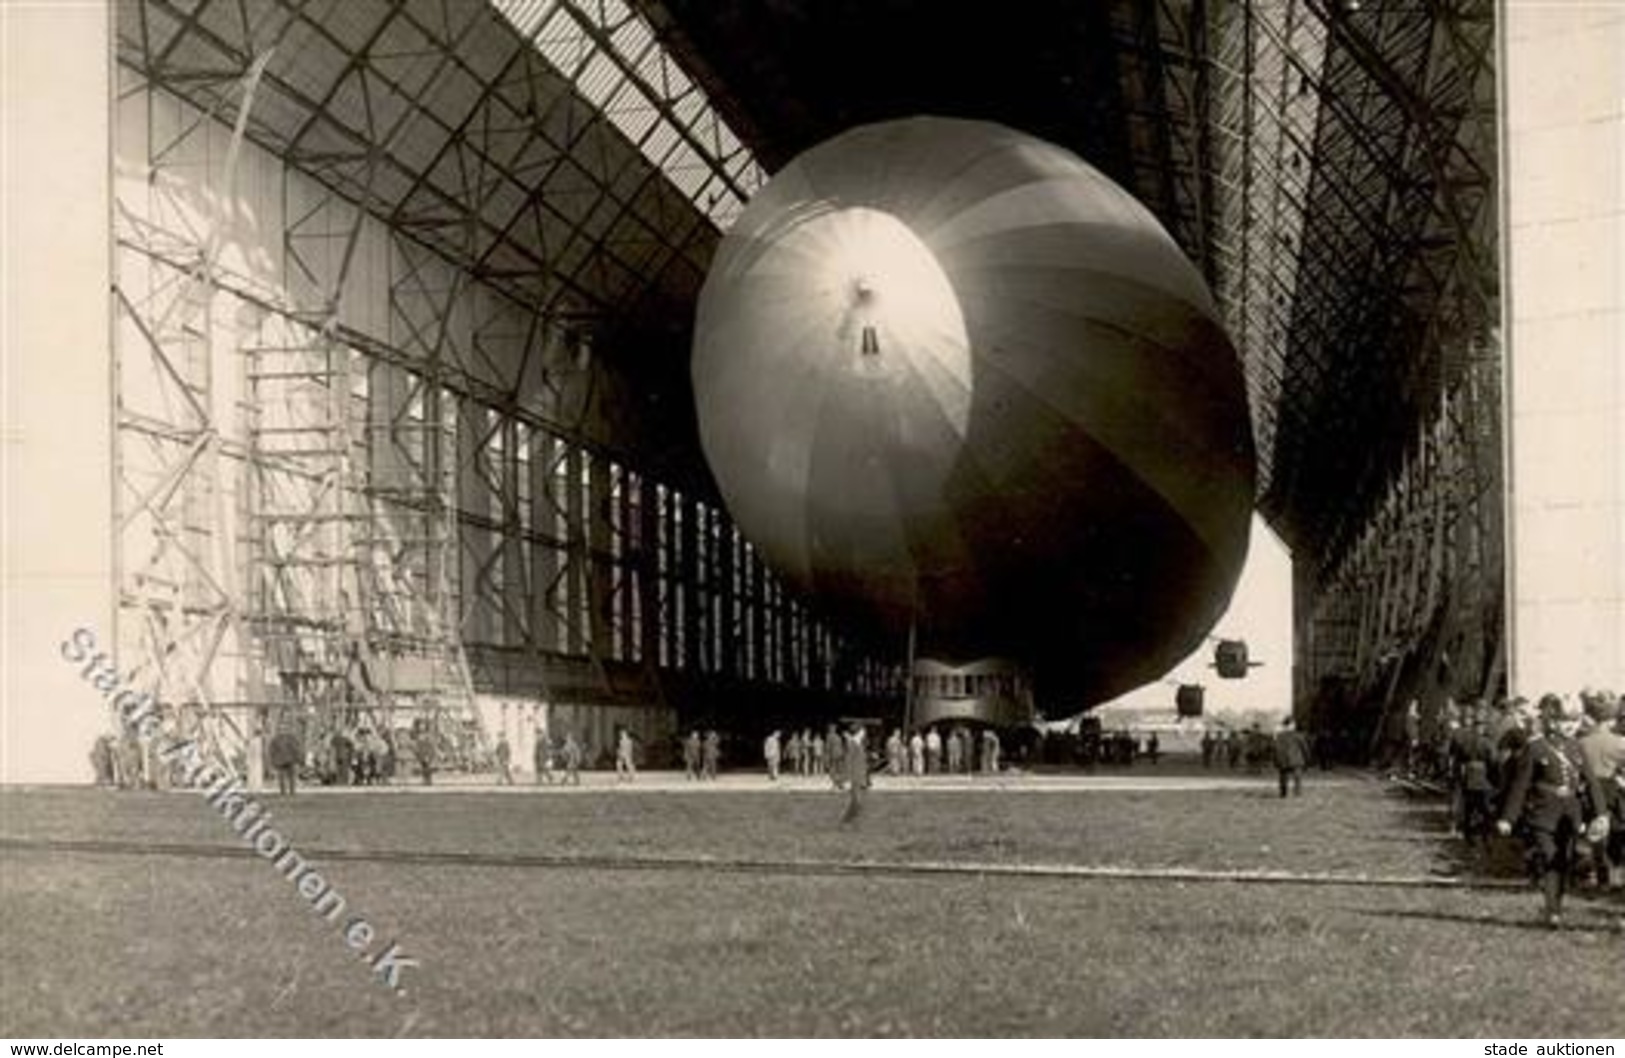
(1291, 757)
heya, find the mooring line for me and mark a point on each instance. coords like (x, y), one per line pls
(741, 865)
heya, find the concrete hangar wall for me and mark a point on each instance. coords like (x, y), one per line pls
(305, 436)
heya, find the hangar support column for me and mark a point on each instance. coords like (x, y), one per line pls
(55, 264)
(1563, 117)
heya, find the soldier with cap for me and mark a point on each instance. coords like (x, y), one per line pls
(1544, 803)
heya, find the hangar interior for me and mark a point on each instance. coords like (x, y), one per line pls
(403, 292)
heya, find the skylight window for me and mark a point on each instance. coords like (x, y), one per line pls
(609, 52)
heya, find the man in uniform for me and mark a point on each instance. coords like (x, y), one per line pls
(990, 752)
(1543, 801)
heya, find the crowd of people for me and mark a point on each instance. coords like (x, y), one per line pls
(830, 753)
(1237, 748)
(1551, 773)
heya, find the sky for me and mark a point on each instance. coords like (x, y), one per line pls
(1261, 613)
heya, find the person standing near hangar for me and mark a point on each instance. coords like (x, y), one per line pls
(286, 756)
(1544, 803)
(504, 760)
(1471, 769)
(710, 754)
(770, 753)
(1602, 750)
(572, 759)
(542, 757)
(855, 762)
(691, 755)
(626, 767)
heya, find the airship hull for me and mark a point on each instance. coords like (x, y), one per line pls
(951, 378)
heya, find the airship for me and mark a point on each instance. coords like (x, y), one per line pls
(952, 381)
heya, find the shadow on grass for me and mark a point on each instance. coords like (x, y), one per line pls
(1576, 920)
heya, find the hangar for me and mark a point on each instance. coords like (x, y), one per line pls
(348, 364)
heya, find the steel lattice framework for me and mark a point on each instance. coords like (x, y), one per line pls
(1329, 165)
(394, 288)
(501, 215)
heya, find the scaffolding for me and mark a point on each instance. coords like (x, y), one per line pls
(348, 600)
(271, 575)
(396, 284)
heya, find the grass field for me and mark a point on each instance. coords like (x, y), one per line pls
(188, 943)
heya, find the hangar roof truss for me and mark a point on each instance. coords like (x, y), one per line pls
(533, 160)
